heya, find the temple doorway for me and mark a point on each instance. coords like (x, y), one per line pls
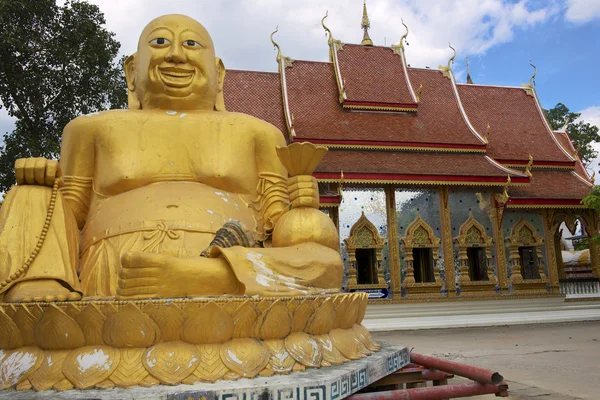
(423, 265)
(529, 262)
(366, 266)
(477, 260)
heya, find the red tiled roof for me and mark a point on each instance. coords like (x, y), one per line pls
(517, 128)
(313, 100)
(412, 165)
(374, 74)
(565, 141)
(255, 93)
(552, 184)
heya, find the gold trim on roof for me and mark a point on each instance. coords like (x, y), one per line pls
(365, 25)
(334, 47)
(528, 167)
(528, 87)
(409, 148)
(544, 206)
(418, 182)
(400, 46)
(537, 166)
(378, 108)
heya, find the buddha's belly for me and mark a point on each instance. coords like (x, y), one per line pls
(179, 205)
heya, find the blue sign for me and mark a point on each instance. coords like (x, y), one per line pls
(374, 294)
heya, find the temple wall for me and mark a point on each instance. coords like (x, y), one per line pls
(512, 216)
(371, 201)
(409, 202)
(465, 201)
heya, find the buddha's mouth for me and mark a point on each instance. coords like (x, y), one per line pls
(176, 77)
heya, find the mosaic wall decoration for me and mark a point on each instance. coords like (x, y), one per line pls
(371, 201)
(409, 203)
(462, 202)
(511, 217)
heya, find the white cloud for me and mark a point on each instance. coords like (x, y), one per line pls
(241, 28)
(581, 11)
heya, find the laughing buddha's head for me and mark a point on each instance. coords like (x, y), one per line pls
(175, 67)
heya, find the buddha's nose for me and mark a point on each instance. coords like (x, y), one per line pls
(175, 54)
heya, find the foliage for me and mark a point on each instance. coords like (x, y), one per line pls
(57, 62)
(581, 133)
(592, 201)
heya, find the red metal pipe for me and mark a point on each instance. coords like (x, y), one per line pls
(433, 375)
(436, 392)
(477, 374)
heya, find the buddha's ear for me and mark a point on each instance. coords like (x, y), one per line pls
(220, 101)
(132, 101)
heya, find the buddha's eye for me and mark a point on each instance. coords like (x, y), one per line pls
(160, 42)
(191, 43)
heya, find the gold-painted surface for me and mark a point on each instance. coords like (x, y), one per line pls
(274, 336)
(550, 228)
(364, 235)
(525, 234)
(420, 235)
(448, 249)
(148, 218)
(447, 69)
(472, 234)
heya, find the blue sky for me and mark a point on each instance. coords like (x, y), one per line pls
(499, 36)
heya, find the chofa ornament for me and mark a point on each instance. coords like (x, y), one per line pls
(107, 344)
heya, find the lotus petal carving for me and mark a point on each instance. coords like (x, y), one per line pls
(301, 158)
(18, 365)
(210, 324)
(130, 327)
(245, 357)
(330, 353)
(244, 319)
(274, 322)
(365, 337)
(351, 313)
(211, 367)
(91, 320)
(304, 348)
(131, 371)
(281, 361)
(169, 319)
(321, 322)
(57, 331)
(362, 306)
(50, 371)
(87, 366)
(301, 316)
(346, 342)
(171, 362)
(10, 335)
(341, 304)
(25, 320)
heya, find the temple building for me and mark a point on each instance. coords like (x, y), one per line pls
(439, 189)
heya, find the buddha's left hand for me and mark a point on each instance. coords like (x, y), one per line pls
(149, 275)
(303, 191)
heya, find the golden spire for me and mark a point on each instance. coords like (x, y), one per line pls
(365, 25)
(469, 80)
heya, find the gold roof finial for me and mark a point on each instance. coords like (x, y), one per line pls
(419, 90)
(400, 46)
(366, 25)
(528, 167)
(275, 45)
(327, 30)
(469, 80)
(287, 60)
(451, 60)
(446, 69)
(532, 79)
(593, 177)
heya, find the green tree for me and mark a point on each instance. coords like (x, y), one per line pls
(581, 133)
(592, 201)
(58, 62)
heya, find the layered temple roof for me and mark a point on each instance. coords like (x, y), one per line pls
(385, 122)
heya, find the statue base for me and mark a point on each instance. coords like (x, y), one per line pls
(333, 383)
(122, 344)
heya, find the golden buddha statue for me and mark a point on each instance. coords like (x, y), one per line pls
(141, 193)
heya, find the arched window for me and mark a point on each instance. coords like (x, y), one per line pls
(525, 247)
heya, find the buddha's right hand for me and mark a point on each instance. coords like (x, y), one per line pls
(37, 171)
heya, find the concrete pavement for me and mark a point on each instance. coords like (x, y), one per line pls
(558, 361)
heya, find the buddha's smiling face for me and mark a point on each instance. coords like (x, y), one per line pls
(175, 65)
